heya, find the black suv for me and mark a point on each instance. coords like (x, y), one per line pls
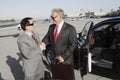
(99, 45)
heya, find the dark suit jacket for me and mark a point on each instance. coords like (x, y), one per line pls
(65, 44)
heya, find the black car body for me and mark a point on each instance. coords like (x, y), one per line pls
(105, 48)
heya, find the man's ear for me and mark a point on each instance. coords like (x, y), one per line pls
(26, 28)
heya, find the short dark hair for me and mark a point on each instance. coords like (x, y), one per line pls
(24, 22)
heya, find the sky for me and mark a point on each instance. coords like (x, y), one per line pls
(18, 9)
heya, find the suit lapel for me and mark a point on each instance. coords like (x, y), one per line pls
(52, 33)
(61, 32)
(30, 38)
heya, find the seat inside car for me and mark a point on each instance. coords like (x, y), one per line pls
(103, 50)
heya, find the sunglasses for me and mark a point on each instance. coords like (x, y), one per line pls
(30, 24)
(53, 17)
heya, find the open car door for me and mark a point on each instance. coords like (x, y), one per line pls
(83, 48)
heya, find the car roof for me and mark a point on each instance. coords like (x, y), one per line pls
(113, 19)
(109, 20)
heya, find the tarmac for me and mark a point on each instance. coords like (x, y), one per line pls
(10, 60)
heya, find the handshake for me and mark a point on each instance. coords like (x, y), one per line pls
(42, 46)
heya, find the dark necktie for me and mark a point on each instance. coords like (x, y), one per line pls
(56, 34)
(35, 39)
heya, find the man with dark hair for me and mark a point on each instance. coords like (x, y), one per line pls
(31, 50)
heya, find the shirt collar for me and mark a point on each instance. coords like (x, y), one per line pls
(29, 33)
(61, 24)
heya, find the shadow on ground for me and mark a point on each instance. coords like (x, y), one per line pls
(15, 67)
(1, 77)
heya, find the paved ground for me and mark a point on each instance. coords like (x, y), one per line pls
(10, 61)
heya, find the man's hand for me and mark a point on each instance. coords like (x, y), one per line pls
(42, 46)
(60, 59)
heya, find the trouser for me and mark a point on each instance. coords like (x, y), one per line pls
(47, 76)
(36, 77)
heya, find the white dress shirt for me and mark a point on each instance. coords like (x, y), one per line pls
(59, 27)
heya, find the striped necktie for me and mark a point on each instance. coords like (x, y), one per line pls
(35, 39)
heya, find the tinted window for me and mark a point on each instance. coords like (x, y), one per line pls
(116, 27)
(102, 27)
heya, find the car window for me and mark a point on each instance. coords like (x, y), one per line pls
(116, 27)
(102, 27)
(86, 29)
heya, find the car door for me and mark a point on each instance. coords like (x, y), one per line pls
(83, 48)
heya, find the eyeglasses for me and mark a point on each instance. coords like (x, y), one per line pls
(53, 17)
(30, 24)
